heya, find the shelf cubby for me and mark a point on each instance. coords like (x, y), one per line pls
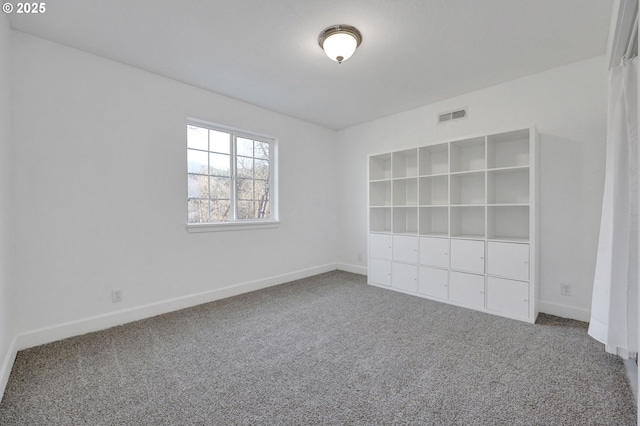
(380, 167)
(467, 222)
(468, 155)
(434, 221)
(405, 192)
(467, 188)
(510, 149)
(405, 220)
(434, 191)
(380, 219)
(405, 163)
(508, 186)
(380, 193)
(434, 159)
(508, 223)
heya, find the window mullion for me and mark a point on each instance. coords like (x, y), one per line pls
(234, 177)
(209, 202)
(271, 179)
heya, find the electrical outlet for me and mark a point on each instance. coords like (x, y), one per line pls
(565, 289)
(116, 296)
(359, 257)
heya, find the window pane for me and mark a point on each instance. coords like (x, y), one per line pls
(261, 190)
(263, 211)
(196, 161)
(244, 147)
(244, 189)
(261, 150)
(219, 142)
(198, 211)
(220, 210)
(261, 169)
(198, 186)
(220, 164)
(245, 167)
(197, 137)
(220, 187)
(246, 210)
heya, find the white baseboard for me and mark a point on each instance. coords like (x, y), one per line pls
(565, 311)
(354, 269)
(632, 374)
(112, 319)
(7, 365)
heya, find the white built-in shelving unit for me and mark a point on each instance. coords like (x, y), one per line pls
(456, 222)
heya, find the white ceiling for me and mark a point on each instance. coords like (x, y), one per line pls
(265, 52)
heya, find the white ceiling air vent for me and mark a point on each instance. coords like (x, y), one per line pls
(457, 114)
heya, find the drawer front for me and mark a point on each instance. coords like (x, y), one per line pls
(405, 249)
(509, 260)
(467, 255)
(433, 282)
(467, 289)
(380, 246)
(434, 252)
(404, 277)
(380, 272)
(508, 297)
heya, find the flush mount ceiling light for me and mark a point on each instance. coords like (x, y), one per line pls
(339, 41)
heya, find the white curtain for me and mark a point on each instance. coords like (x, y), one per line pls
(614, 307)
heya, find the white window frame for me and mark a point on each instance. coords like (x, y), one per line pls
(234, 223)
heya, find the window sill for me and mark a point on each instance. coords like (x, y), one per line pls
(231, 226)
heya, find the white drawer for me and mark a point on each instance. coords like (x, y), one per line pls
(466, 289)
(433, 282)
(380, 272)
(404, 277)
(405, 249)
(509, 260)
(508, 297)
(467, 255)
(434, 252)
(380, 246)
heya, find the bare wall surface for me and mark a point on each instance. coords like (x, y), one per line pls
(5, 190)
(101, 189)
(568, 107)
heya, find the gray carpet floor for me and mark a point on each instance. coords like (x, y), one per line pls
(325, 350)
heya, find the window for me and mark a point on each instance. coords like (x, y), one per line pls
(230, 176)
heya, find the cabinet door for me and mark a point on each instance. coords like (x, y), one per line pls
(434, 251)
(380, 272)
(433, 282)
(466, 289)
(508, 297)
(509, 260)
(404, 277)
(380, 246)
(405, 249)
(467, 255)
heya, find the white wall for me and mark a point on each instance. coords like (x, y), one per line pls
(568, 107)
(101, 193)
(6, 330)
